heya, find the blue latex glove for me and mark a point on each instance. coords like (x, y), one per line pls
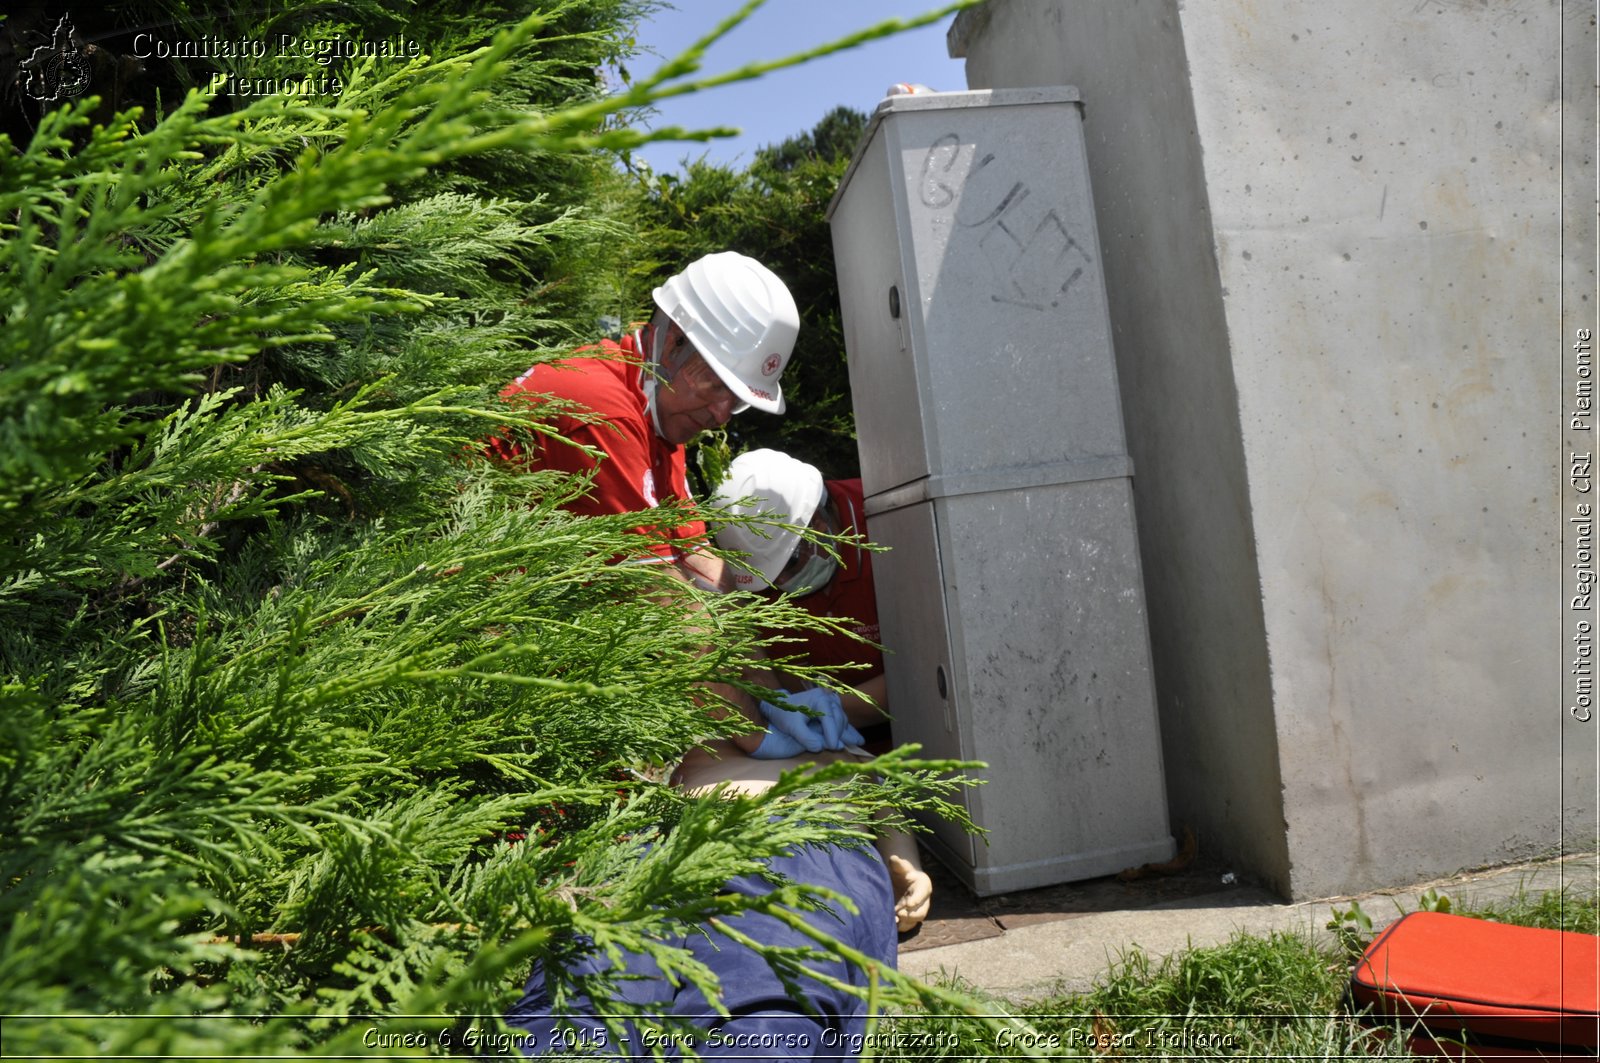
(792, 724)
(831, 721)
(851, 736)
(775, 745)
(829, 729)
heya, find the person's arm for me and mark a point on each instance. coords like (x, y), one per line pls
(818, 722)
(704, 569)
(866, 702)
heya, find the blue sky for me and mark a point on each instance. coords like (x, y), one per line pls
(788, 101)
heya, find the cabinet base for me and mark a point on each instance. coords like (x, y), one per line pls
(1073, 867)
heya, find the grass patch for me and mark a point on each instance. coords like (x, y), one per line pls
(1275, 997)
(1554, 910)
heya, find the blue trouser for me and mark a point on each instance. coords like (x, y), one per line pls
(765, 1021)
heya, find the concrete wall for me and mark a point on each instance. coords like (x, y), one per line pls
(1332, 241)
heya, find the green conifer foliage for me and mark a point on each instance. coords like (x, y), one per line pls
(306, 710)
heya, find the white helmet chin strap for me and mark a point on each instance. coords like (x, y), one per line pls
(651, 380)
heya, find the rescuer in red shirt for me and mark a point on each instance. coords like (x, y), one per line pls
(722, 333)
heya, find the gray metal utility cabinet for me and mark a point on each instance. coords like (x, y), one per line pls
(995, 468)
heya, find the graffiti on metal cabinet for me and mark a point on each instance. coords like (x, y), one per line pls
(1033, 255)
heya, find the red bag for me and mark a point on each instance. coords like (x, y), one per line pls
(1501, 990)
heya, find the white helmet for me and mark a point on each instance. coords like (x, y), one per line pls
(784, 490)
(741, 319)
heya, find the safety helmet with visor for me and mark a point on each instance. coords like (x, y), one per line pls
(742, 320)
(780, 495)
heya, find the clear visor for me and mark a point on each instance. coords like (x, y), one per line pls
(809, 570)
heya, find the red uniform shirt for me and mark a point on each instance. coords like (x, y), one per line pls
(848, 595)
(640, 468)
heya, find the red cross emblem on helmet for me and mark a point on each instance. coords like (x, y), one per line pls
(773, 363)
